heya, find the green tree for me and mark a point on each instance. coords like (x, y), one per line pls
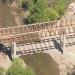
(18, 68)
(61, 5)
(39, 11)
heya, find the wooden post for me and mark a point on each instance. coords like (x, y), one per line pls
(64, 43)
(62, 37)
(13, 51)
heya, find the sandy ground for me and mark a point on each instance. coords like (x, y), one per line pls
(4, 61)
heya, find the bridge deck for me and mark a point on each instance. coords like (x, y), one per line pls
(37, 35)
(44, 45)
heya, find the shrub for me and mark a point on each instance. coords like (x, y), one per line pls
(18, 68)
(60, 6)
(29, 71)
(41, 11)
(1, 71)
(20, 2)
(53, 15)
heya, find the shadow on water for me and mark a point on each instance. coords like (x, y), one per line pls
(57, 45)
(42, 64)
(5, 50)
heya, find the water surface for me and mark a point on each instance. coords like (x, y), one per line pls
(42, 64)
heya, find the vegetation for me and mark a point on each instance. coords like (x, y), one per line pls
(1, 71)
(41, 10)
(60, 6)
(18, 68)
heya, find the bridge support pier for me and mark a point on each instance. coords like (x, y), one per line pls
(13, 51)
(62, 37)
(64, 44)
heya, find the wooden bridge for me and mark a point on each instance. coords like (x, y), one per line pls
(34, 38)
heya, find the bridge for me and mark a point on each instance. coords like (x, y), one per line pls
(35, 38)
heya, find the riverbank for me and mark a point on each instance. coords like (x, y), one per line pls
(5, 62)
(10, 16)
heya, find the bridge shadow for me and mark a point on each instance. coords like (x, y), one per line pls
(6, 50)
(57, 45)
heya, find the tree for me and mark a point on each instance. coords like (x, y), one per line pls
(53, 15)
(18, 68)
(61, 5)
(45, 10)
(38, 11)
(41, 12)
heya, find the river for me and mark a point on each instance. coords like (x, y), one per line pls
(42, 64)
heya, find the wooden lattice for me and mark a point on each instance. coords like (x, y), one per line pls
(36, 32)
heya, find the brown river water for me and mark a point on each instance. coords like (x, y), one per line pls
(42, 64)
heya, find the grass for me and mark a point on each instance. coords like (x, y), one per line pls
(42, 64)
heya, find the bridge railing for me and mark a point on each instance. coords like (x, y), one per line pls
(26, 28)
(36, 27)
(38, 35)
(37, 31)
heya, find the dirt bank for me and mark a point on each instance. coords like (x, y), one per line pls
(5, 62)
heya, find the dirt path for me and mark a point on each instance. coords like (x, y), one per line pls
(10, 16)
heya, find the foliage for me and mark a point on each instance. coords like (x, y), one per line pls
(29, 71)
(20, 2)
(44, 10)
(17, 68)
(1, 71)
(53, 14)
(60, 6)
(39, 11)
